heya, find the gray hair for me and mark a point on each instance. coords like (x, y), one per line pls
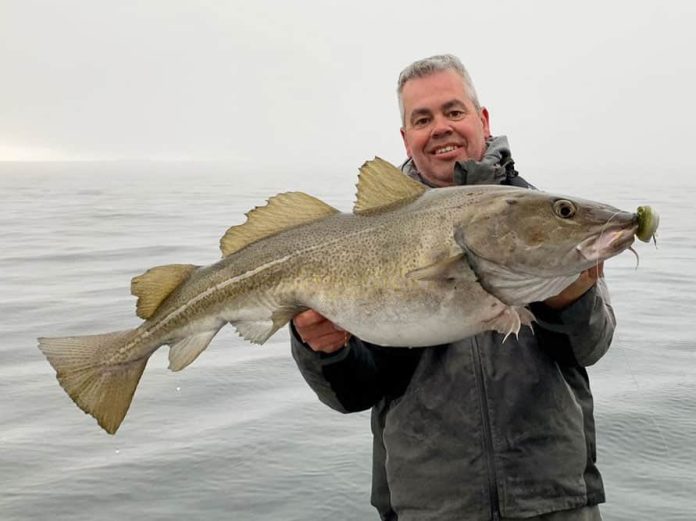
(431, 65)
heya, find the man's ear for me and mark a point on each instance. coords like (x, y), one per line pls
(405, 140)
(485, 121)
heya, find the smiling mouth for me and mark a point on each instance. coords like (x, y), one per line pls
(445, 149)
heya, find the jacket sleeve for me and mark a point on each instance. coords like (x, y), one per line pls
(357, 376)
(581, 333)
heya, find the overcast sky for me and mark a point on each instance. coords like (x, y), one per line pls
(311, 82)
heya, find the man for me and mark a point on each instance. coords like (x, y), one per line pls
(477, 429)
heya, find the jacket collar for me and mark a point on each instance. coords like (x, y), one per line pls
(496, 166)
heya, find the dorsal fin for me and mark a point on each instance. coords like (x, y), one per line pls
(382, 186)
(156, 284)
(282, 212)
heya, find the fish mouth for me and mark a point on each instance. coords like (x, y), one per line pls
(607, 243)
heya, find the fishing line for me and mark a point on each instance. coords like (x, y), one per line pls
(628, 364)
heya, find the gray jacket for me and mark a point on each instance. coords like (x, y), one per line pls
(477, 429)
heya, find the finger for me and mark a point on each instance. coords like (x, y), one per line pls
(316, 331)
(593, 273)
(307, 318)
(329, 343)
(600, 269)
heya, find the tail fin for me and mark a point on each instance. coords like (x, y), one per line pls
(99, 387)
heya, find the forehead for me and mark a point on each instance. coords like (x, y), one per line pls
(433, 91)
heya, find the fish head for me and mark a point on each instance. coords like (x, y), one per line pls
(526, 245)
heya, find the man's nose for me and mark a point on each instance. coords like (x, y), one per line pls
(441, 127)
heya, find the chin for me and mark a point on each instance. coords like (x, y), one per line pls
(443, 179)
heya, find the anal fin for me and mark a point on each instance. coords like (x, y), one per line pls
(258, 330)
(186, 350)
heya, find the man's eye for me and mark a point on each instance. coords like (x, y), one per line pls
(420, 122)
(456, 114)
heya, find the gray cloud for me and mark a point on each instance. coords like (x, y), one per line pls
(312, 82)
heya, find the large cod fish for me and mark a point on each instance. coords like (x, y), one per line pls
(409, 267)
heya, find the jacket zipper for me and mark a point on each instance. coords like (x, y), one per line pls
(487, 437)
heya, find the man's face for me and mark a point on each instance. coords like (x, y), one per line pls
(442, 125)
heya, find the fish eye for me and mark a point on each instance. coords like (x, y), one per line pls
(564, 208)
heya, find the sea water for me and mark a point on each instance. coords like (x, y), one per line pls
(238, 435)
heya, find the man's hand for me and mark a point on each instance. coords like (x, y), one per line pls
(577, 289)
(319, 333)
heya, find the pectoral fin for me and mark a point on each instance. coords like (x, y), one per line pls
(451, 268)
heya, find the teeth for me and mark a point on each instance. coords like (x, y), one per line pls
(446, 149)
